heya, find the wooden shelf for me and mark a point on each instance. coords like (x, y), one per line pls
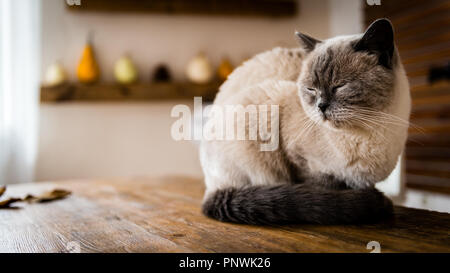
(270, 8)
(134, 92)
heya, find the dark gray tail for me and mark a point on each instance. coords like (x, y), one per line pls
(297, 204)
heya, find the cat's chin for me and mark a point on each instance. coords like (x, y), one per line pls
(331, 124)
(339, 126)
(335, 126)
(327, 123)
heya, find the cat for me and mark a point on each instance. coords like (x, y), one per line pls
(344, 110)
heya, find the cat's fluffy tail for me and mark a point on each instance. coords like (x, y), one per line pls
(297, 204)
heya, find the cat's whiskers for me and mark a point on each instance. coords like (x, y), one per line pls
(390, 117)
(312, 127)
(351, 115)
(371, 128)
(385, 119)
(312, 123)
(306, 123)
(302, 133)
(377, 117)
(381, 120)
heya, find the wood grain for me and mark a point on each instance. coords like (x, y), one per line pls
(163, 215)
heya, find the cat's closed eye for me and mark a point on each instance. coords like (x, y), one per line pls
(337, 87)
(310, 90)
(311, 94)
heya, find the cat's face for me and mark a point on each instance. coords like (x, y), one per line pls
(344, 79)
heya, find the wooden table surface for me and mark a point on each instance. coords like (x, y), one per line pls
(163, 215)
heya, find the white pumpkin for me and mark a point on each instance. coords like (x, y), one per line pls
(55, 75)
(199, 70)
(125, 71)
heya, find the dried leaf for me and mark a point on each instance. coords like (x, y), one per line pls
(47, 196)
(2, 190)
(7, 203)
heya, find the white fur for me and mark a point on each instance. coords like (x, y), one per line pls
(358, 157)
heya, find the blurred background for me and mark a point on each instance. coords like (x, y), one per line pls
(87, 86)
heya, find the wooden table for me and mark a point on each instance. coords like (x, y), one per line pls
(163, 215)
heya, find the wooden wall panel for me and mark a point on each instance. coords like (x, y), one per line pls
(422, 35)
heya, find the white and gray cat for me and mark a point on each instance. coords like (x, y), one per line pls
(344, 110)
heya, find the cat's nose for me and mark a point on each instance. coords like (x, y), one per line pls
(323, 106)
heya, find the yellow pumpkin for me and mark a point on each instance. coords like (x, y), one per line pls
(225, 69)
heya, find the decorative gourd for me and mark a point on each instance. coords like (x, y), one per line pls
(199, 70)
(162, 74)
(55, 75)
(88, 71)
(125, 71)
(225, 69)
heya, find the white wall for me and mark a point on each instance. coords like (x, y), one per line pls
(111, 139)
(151, 38)
(346, 17)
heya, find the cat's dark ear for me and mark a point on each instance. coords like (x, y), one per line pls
(378, 39)
(306, 41)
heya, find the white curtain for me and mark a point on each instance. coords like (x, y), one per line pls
(19, 88)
